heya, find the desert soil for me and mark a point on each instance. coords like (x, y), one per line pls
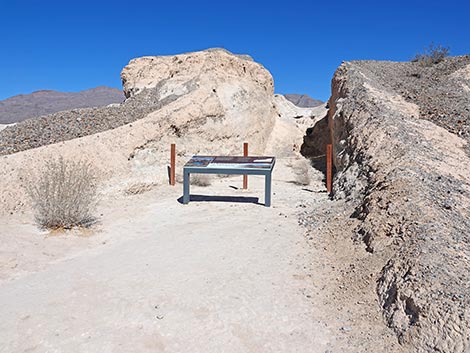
(217, 275)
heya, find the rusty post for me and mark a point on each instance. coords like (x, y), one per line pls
(172, 164)
(329, 171)
(245, 154)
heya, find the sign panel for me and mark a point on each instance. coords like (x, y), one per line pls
(231, 162)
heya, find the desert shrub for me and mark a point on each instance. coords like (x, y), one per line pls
(200, 179)
(64, 194)
(432, 55)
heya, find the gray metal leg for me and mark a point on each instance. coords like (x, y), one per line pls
(186, 183)
(267, 190)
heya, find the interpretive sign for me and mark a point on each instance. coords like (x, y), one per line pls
(229, 165)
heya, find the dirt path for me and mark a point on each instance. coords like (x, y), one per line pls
(159, 276)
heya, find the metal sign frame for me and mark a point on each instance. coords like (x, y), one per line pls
(231, 165)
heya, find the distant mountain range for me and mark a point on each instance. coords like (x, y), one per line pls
(303, 100)
(39, 103)
(25, 106)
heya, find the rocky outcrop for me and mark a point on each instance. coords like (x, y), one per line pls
(408, 180)
(290, 126)
(310, 122)
(39, 103)
(181, 74)
(238, 94)
(287, 109)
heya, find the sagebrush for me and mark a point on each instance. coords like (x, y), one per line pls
(64, 194)
(434, 54)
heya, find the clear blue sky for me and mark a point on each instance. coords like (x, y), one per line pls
(74, 45)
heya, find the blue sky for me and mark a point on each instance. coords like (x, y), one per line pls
(75, 45)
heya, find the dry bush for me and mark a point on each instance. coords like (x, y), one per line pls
(301, 169)
(200, 179)
(64, 194)
(432, 55)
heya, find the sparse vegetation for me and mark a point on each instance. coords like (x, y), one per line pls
(64, 194)
(432, 55)
(200, 179)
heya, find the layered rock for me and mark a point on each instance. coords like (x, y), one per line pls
(409, 182)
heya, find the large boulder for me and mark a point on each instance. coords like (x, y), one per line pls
(220, 100)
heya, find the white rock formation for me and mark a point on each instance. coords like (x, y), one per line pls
(222, 99)
(287, 109)
(290, 126)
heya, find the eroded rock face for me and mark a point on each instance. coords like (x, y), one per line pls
(409, 182)
(312, 122)
(222, 100)
(290, 126)
(181, 74)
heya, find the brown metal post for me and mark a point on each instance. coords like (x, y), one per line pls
(329, 167)
(172, 164)
(245, 154)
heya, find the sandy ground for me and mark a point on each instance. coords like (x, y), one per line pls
(217, 275)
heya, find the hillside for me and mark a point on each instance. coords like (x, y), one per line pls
(39, 103)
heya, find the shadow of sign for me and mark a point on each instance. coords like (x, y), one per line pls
(238, 199)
